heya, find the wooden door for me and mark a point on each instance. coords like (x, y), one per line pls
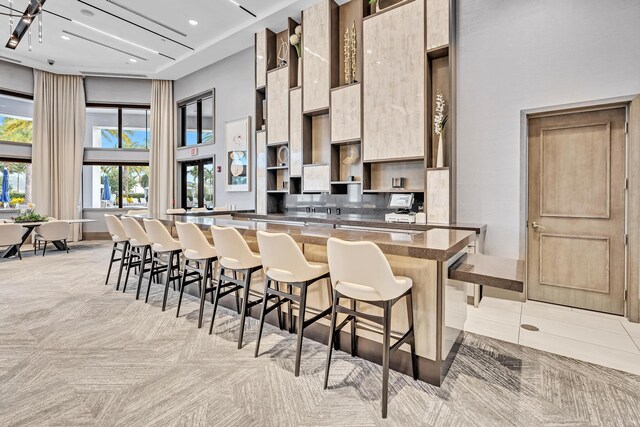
(576, 235)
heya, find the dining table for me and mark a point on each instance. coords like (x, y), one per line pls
(28, 229)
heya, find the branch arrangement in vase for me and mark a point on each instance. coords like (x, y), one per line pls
(439, 121)
(29, 215)
(296, 40)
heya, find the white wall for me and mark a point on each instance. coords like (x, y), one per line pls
(16, 78)
(117, 91)
(520, 55)
(233, 80)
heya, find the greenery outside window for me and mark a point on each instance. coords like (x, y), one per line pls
(198, 185)
(118, 127)
(128, 186)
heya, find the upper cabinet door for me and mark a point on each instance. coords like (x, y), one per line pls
(394, 84)
(295, 132)
(316, 56)
(278, 105)
(261, 58)
(437, 23)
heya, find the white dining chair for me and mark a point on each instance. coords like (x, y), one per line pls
(11, 235)
(138, 212)
(120, 244)
(51, 231)
(198, 210)
(361, 273)
(175, 211)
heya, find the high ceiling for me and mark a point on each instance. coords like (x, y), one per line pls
(96, 37)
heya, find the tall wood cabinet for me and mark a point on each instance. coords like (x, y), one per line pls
(381, 114)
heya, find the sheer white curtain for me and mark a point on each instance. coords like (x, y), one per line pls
(161, 153)
(58, 141)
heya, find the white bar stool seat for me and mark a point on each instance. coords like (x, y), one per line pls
(284, 262)
(234, 256)
(196, 248)
(165, 256)
(360, 272)
(139, 246)
(120, 244)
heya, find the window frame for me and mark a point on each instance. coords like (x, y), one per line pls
(121, 107)
(121, 165)
(201, 163)
(182, 106)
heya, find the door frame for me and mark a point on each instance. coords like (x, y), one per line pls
(525, 115)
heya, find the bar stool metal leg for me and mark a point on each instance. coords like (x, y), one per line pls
(330, 343)
(123, 261)
(386, 347)
(143, 262)
(113, 256)
(203, 291)
(245, 303)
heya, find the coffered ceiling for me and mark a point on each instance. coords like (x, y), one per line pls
(143, 38)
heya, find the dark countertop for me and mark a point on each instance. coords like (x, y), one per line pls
(497, 272)
(356, 220)
(435, 244)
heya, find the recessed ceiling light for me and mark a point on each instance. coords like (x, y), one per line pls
(133, 60)
(65, 37)
(193, 22)
(87, 12)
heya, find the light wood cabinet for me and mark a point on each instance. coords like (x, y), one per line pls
(437, 24)
(261, 173)
(265, 59)
(316, 178)
(394, 84)
(345, 113)
(295, 132)
(316, 56)
(437, 203)
(278, 106)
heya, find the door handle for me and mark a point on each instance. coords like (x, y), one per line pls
(535, 226)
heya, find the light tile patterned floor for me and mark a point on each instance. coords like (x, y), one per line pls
(74, 352)
(600, 338)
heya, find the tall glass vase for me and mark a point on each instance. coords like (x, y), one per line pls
(300, 71)
(440, 154)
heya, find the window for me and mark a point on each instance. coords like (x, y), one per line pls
(198, 185)
(115, 186)
(196, 120)
(16, 119)
(118, 127)
(19, 182)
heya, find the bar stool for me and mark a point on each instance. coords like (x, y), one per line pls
(196, 248)
(236, 257)
(139, 246)
(284, 262)
(360, 272)
(120, 244)
(165, 256)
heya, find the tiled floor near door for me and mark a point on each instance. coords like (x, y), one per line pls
(599, 338)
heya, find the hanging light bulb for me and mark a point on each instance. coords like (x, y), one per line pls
(40, 26)
(10, 17)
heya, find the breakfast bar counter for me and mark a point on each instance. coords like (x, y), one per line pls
(439, 302)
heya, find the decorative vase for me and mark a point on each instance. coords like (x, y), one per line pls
(440, 155)
(300, 71)
(378, 8)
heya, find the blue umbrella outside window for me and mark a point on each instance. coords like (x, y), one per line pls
(106, 192)
(4, 196)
